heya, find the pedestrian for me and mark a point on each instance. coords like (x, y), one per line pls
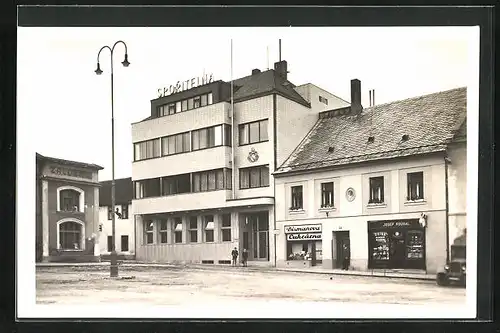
(244, 257)
(234, 254)
(345, 261)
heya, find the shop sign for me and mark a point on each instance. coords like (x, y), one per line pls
(412, 223)
(70, 172)
(185, 85)
(304, 236)
(304, 228)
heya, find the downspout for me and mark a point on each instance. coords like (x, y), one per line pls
(135, 236)
(447, 208)
(233, 167)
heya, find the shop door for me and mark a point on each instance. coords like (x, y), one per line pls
(245, 240)
(260, 227)
(341, 239)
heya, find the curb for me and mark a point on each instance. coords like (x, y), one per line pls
(254, 268)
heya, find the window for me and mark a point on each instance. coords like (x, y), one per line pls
(147, 188)
(376, 190)
(203, 100)
(110, 213)
(124, 243)
(415, 186)
(70, 234)
(190, 103)
(184, 105)
(209, 99)
(208, 180)
(327, 195)
(254, 177)
(163, 232)
(323, 100)
(176, 184)
(193, 229)
(178, 106)
(110, 243)
(147, 149)
(197, 102)
(209, 228)
(171, 108)
(69, 201)
(124, 212)
(297, 198)
(226, 228)
(175, 144)
(253, 132)
(211, 137)
(178, 230)
(148, 232)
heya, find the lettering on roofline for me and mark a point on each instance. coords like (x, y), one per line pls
(185, 85)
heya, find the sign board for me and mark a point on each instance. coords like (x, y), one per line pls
(304, 228)
(304, 236)
(61, 171)
(410, 223)
(180, 86)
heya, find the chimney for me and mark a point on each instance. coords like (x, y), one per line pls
(255, 71)
(281, 68)
(356, 106)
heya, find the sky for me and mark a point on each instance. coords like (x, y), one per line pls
(64, 108)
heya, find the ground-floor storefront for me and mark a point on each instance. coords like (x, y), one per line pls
(390, 242)
(207, 236)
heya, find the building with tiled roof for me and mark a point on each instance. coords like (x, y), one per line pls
(381, 187)
(203, 163)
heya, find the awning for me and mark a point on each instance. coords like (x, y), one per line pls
(210, 226)
(178, 227)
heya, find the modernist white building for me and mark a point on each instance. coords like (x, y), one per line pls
(384, 186)
(202, 170)
(124, 220)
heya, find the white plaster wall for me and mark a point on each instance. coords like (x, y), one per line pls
(122, 227)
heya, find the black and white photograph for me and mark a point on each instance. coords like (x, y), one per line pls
(247, 172)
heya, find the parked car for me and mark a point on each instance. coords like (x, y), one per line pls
(455, 269)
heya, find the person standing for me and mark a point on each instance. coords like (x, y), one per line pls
(244, 257)
(345, 261)
(234, 254)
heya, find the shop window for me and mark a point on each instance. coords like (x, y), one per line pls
(124, 243)
(69, 201)
(253, 132)
(226, 227)
(148, 232)
(193, 229)
(254, 177)
(163, 232)
(415, 182)
(110, 243)
(297, 200)
(178, 230)
(376, 190)
(327, 195)
(209, 228)
(124, 212)
(110, 213)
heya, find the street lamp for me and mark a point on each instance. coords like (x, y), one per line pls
(98, 71)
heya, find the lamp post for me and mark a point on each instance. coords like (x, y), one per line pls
(98, 71)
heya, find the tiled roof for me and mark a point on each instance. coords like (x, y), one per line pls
(429, 121)
(265, 82)
(40, 157)
(123, 192)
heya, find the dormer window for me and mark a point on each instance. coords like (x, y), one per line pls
(323, 100)
(405, 137)
(331, 149)
(371, 139)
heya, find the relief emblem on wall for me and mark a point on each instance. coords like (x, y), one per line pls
(253, 156)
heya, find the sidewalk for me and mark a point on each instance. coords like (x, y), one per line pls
(314, 270)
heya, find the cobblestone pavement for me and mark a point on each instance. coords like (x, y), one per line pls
(184, 286)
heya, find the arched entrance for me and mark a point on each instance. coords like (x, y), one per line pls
(70, 234)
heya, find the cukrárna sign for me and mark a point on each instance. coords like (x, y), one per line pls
(185, 85)
(305, 236)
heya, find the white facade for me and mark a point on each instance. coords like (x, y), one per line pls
(124, 232)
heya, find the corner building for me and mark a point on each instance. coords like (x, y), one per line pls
(202, 171)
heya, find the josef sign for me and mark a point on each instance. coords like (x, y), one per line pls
(304, 228)
(304, 236)
(185, 85)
